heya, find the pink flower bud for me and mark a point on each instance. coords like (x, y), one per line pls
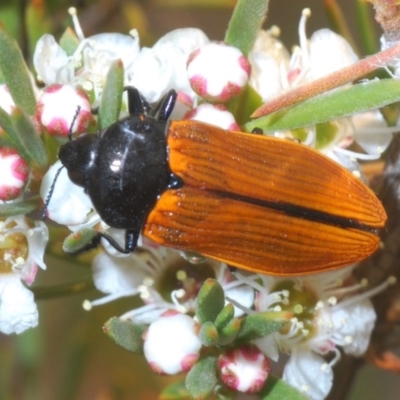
(215, 114)
(217, 71)
(171, 344)
(14, 174)
(57, 107)
(244, 369)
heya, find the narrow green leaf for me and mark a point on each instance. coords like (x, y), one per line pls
(208, 334)
(15, 72)
(19, 207)
(125, 334)
(337, 104)
(277, 389)
(261, 324)
(30, 139)
(10, 138)
(210, 301)
(366, 27)
(111, 99)
(69, 42)
(245, 23)
(175, 391)
(202, 378)
(225, 316)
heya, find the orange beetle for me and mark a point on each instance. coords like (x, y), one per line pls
(258, 203)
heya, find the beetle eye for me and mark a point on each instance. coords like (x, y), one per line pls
(77, 156)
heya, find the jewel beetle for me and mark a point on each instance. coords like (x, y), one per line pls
(258, 203)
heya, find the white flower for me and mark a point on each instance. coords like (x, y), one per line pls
(273, 73)
(68, 204)
(327, 313)
(163, 67)
(63, 109)
(171, 343)
(18, 310)
(14, 174)
(244, 368)
(164, 281)
(215, 114)
(21, 253)
(217, 71)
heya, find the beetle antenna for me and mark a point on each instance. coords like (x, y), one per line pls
(164, 108)
(50, 193)
(73, 122)
(135, 101)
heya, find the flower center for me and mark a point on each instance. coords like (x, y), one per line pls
(301, 301)
(182, 280)
(13, 248)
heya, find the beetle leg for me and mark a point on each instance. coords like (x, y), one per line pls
(131, 238)
(257, 131)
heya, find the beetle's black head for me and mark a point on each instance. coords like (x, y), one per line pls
(77, 156)
(124, 169)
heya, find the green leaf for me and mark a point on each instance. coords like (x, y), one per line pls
(175, 391)
(202, 378)
(277, 389)
(210, 301)
(30, 139)
(225, 316)
(15, 73)
(208, 334)
(366, 27)
(260, 324)
(19, 207)
(111, 99)
(337, 104)
(125, 334)
(229, 333)
(245, 104)
(245, 23)
(83, 239)
(69, 42)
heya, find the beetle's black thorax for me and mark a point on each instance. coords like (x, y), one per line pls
(124, 169)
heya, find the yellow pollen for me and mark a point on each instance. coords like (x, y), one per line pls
(298, 309)
(20, 260)
(72, 11)
(324, 367)
(319, 305)
(306, 12)
(332, 300)
(180, 293)
(364, 282)
(87, 305)
(148, 281)
(181, 275)
(348, 339)
(392, 280)
(304, 388)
